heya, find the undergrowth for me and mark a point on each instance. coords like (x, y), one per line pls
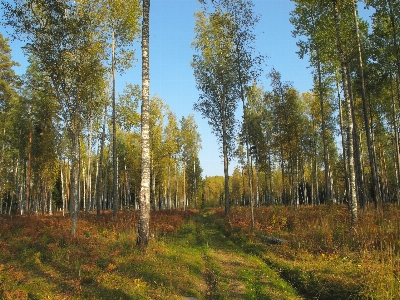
(204, 255)
(320, 256)
(40, 259)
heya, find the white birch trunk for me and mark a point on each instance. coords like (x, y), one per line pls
(144, 201)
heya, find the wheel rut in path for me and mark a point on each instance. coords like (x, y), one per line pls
(231, 273)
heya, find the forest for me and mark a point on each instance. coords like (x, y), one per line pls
(68, 138)
(312, 204)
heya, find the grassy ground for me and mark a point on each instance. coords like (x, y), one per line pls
(188, 256)
(204, 254)
(321, 257)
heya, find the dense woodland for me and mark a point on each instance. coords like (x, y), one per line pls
(65, 134)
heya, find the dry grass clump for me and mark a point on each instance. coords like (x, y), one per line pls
(322, 256)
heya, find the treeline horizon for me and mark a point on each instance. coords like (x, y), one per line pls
(66, 134)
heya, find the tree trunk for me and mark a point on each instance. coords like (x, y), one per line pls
(225, 154)
(360, 196)
(29, 174)
(153, 199)
(100, 172)
(344, 147)
(176, 186)
(62, 189)
(74, 185)
(89, 171)
(144, 214)
(396, 140)
(114, 134)
(349, 115)
(169, 185)
(371, 152)
(184, 186)
(249, 171)
(328, 187)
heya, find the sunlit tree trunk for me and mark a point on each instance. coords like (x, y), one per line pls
(328, 186)
(29, 171)
(371, 152)
(114, 133)
(225, 153)
(62, 189)
(344, 146)
(184, 186)
(144, 214)
(100, 172)
(74, 184)
(349, 115)
(396, 140)
(89, 171)
(169, 186)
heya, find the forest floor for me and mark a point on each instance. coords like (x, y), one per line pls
(195, 255)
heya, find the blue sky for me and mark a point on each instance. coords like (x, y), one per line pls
(171, 77)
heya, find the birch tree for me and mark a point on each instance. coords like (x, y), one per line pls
(60, 35)
(215, 74)
(144, 200)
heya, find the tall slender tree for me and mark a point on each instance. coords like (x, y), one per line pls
(61, 36)
(190, 147)
(9, 85)
(215, 74)
(144, 201)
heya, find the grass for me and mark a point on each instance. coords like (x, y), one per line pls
(204, 254)
(188, 256)
(322, 258)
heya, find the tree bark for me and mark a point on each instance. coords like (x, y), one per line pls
(344, 147)
(328, 186)
(396, 139)
(349, 116)
(225, 154)
(29, 175)
(89, 170)
(144, 201)
(246, 133)
(74, 185)
(184, 186)
(114, 133)
(100, 167)
(371, 151)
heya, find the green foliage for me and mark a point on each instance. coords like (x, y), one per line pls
(127, 114)
(215, 73)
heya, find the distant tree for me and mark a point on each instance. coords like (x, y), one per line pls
(215, 74)
(128, 141)
(385, 50)
(9, 85)
(44, 146)
(172, 147)
(158, 154)
(213, 189)
(61, 36)
(236, 186)
(247, 64)
(190, 147)
(119, 23)
(309, 21)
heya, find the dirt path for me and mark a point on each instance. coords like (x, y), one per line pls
(233, 274)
